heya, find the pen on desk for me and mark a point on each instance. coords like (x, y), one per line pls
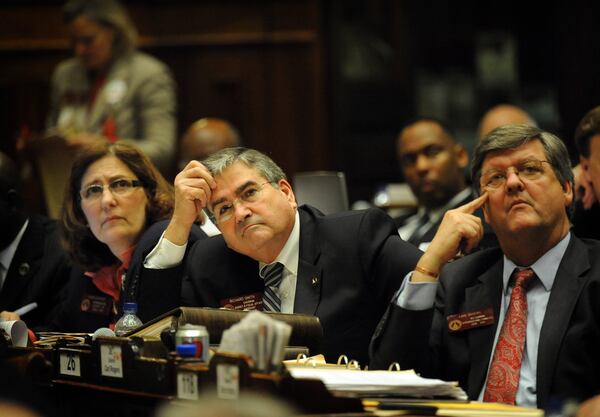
(26, 308)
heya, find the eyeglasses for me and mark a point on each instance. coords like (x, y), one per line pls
(223, 211)
(120, 187)
(530, 170)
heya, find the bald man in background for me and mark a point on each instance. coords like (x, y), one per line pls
(503, 114)
(205, 137)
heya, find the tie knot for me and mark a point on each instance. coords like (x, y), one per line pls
(272, 274)
(523, 277)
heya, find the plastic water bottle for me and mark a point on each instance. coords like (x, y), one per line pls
(129, 321)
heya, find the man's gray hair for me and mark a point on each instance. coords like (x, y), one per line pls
(266, 167)
(513, 136)
(108, 13)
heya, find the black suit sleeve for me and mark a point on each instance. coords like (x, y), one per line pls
(403, 337)
(156, 291)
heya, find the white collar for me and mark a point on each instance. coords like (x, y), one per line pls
(437, 213)
(290, 253)
(7, 254)
(545, 268)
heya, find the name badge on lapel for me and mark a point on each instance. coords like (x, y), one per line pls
(244, 302)
(95, 304)
(465, 321)
(115, 91)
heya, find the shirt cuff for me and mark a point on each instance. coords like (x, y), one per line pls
(165, 254)
(415, 295)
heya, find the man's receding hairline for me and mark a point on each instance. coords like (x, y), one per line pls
(442, 133)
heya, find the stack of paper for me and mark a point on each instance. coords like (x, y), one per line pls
(49, 339)
(370, 383)
(259, 337)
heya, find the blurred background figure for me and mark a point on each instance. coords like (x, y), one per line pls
(19, 397)
(503, 114)
(12, 409)
(587, 176)
(33, 266)
(248, 405)
(205, 137)
(111, 220)
(109, 91)
(433, 164)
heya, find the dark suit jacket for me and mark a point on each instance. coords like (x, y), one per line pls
(489, 239)
(350, 265)
(586, 223)
(37, 273)
(154, 295)
(569, 345)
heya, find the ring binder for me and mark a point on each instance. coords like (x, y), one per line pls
(342, 358)
(394, 366)
(353, 364)
(318, 361)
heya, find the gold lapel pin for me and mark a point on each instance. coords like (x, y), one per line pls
(23, 269)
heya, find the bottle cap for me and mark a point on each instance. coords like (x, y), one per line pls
(186, 349)
(130, 307)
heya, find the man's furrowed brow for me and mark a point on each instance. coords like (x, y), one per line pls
(242, 187)
(238, 191)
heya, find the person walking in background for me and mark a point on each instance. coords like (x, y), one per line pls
(109, 90)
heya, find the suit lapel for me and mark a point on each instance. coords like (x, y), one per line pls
(100, 108)
(569, 281)
(400, 220)
(309, 280)
(429, 235)
(486, 293)
(24, 264)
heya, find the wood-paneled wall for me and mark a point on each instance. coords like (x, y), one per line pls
(258, 64)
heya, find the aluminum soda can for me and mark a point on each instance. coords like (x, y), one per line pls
(194, 334)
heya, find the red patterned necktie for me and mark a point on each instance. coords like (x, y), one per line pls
(503, 377)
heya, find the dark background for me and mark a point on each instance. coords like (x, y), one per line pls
(328, 84)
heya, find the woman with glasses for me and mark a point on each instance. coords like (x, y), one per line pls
(112, 218)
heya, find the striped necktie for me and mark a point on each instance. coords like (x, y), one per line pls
(505, 369)
(3, 272)
(422, 227)
(272, 274)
